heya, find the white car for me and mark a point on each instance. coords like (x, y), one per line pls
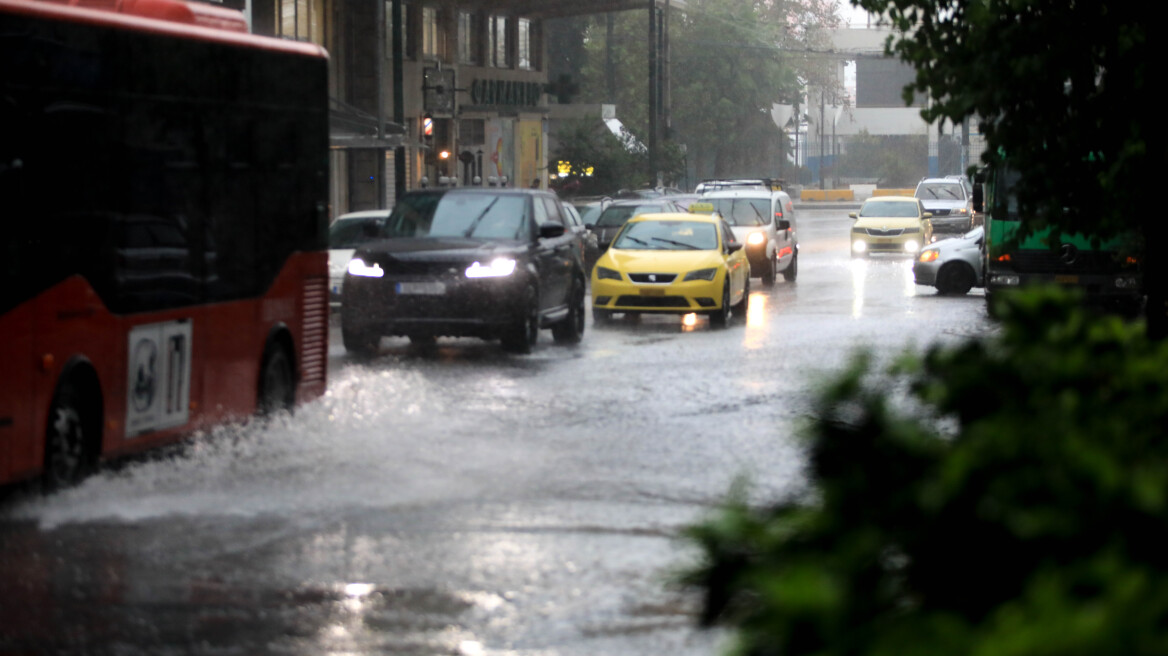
(345, 234)
(954, 265)
(762, 220)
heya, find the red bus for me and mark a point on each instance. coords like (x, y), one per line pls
(164, 185)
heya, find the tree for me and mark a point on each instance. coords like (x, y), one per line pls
(1011, 500)
(600, 163)
(1060, 88)
(730, 63)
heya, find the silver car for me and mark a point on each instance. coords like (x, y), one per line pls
(954, 265)
(764, 221)
(345, 234)
(950, 203)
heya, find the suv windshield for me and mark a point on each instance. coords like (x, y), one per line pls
(742, 211)
(941, 190)
(668, 236)
(477, 215)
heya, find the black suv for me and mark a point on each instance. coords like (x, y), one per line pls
(467, 262)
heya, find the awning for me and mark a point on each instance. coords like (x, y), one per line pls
(352, 128)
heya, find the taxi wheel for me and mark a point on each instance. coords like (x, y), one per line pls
(521, 335)
(719, 317)
(768, 272)
(743, 306)
(792, 270)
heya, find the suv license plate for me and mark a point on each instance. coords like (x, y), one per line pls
(1067, 280)
(421, 288)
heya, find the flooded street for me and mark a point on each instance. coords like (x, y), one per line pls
(462, 500)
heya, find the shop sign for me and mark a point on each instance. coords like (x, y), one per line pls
(505, 92)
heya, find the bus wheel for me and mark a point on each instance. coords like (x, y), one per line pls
(68, 456)
(277, 389)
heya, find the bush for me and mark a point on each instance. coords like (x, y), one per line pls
(1014, 501)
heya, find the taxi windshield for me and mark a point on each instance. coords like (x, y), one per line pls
(742, 211)
(893, 209)
(667, 236)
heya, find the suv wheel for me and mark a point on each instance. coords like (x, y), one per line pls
(571, 329)
(522, 334)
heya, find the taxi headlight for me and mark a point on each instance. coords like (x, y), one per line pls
(756, 238)
(497, 268)
(358, 267)
(603, 273)
(701, 274)
(859, 246)
(911, 246)
(928, 255)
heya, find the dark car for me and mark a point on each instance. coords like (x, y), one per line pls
(588, 243)
(618, 212)
(467, 262)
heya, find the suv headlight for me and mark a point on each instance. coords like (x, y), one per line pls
(928, 255)
(497, 268)
(358, 267)
(755, 238)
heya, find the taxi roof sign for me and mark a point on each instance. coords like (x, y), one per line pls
(701, 208)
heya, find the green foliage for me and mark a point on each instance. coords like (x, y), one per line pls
(1051, 82)
(1006, 496)
(586, 144)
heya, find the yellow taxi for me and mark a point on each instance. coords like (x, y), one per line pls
(891, 224)
(674, 264)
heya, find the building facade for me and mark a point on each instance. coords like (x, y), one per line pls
(471, 92)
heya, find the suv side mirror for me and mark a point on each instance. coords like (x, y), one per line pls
(978, 198)
(784, 224)
(551, 230)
